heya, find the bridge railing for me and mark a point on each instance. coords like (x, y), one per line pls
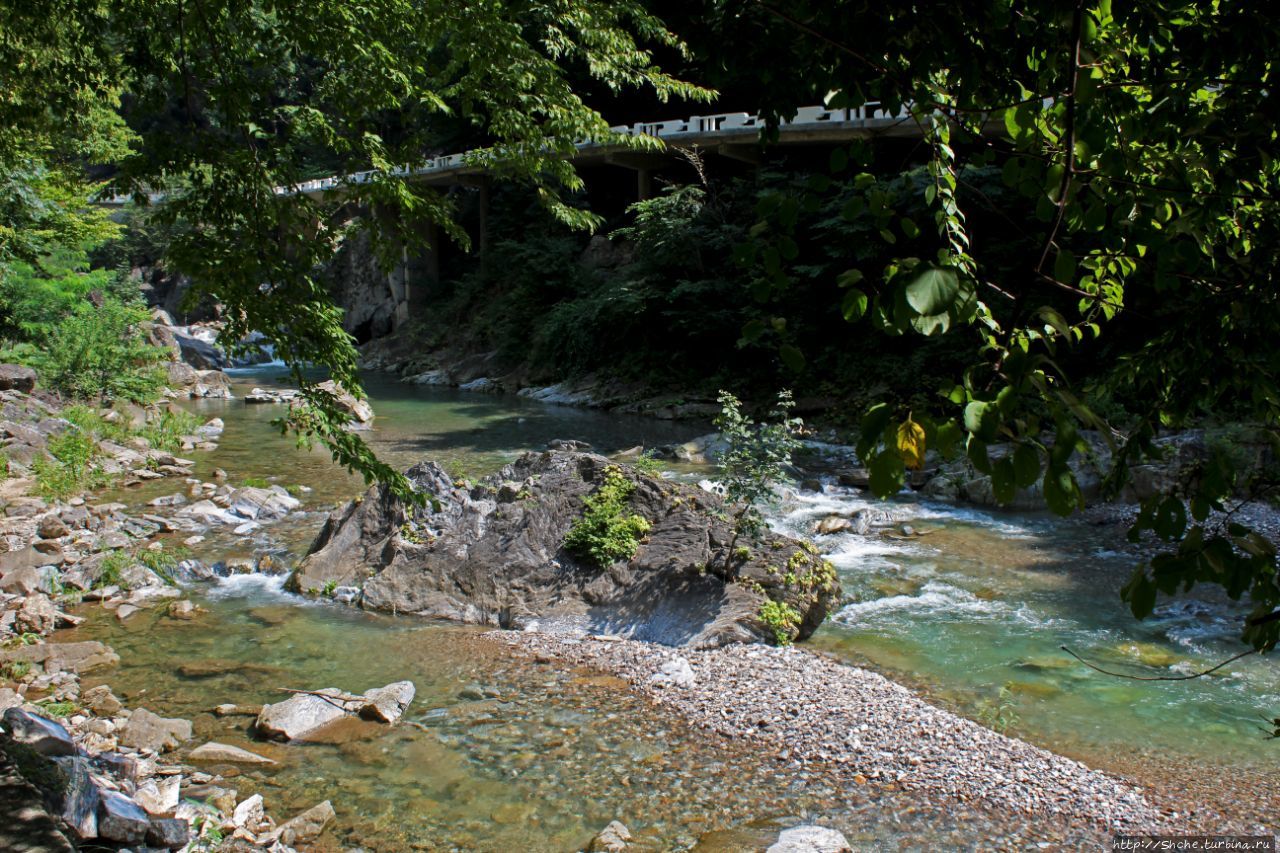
(870, 114)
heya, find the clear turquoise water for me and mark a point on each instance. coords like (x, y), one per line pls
(979, 601)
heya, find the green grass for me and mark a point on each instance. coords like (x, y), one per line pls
(112, 567)
(162, 561)
(257, 482)
(68, 468)
(166, 431)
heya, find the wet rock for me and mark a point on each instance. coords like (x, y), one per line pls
(832, 524)
(614, 838)
(232, 710)
(169, 833)
(307, 826)
(224, 753)
(302, 714)
(15, 377)
(183, 610)
(121, 819)
(810, 839)
(78, 798)
(43, 735)
(200, 354)
(388, 704)
(262, 504)
(146, 730)
(504, 563)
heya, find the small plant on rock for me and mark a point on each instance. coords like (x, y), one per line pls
(330, 586)
(781, 618)
(755, 459)
(606, 533)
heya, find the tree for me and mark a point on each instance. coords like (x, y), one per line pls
(230, 101)
(754, 460)
(1142, 136)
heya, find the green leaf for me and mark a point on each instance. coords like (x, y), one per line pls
(791, 357)
(887, 474)
(932, 289)
(1064, 267)
(1026, 465)
(839, 160)
(854, 305)
(1003, 484)
(1140, 592)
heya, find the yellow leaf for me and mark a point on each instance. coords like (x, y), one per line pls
(911, 444)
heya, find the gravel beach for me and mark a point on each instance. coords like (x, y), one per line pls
(806, 709)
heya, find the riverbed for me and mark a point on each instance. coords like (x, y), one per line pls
(954, 602)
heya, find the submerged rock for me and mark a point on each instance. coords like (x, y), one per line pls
(221, 753)
(810, 839)
(614, 838)
(306, 826)
(472, 557)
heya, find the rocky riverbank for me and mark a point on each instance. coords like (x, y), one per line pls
(805, 710)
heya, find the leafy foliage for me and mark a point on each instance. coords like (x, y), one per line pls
(1139, 138)
(781, 618)
(606, 532)
(755, 458)
(68, 467)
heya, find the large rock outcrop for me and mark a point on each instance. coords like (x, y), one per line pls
(494, 554)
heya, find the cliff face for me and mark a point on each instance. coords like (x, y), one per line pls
(494, 554)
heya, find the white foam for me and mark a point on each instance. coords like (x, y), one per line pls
(253, 586)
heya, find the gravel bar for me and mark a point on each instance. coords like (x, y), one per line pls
(806, 708)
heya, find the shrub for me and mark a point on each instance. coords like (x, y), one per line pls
(606, 533)
(68, 466)
(166, 431)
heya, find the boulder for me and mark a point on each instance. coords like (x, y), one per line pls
(388, 704)
(469, 557)
(101, 701)
(146, 730)
(306, 827)
(43, 735)
(201, 355)
(614, 838)
(302, 714)
(221, 753)
(250, 814)
(77, 799)
(169, 833)
(158, 796)
(262, 504)
(15, 377)
(121, 819)
(26, 580)
(810, 839)
(78, 658)
(359, 410)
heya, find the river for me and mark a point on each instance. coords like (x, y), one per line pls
(958, 603)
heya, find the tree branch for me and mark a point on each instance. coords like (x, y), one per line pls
(1077, 21)
(1245, 653)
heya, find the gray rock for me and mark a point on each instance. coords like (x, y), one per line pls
(43, 735)
(504, 564)
(101, 701)
(810, 839)
(388, 704)
(15, 377)
(158, 796)
(79, 657)
(121, 819)
(614, 838)
(169, 833)
(359, 410)
(199, 354)
(25, 558)
(226, 754)
(146, 730)
(78, 799)
(27, 580)
(302, 714)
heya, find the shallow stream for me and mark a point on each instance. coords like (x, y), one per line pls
(505, 755)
